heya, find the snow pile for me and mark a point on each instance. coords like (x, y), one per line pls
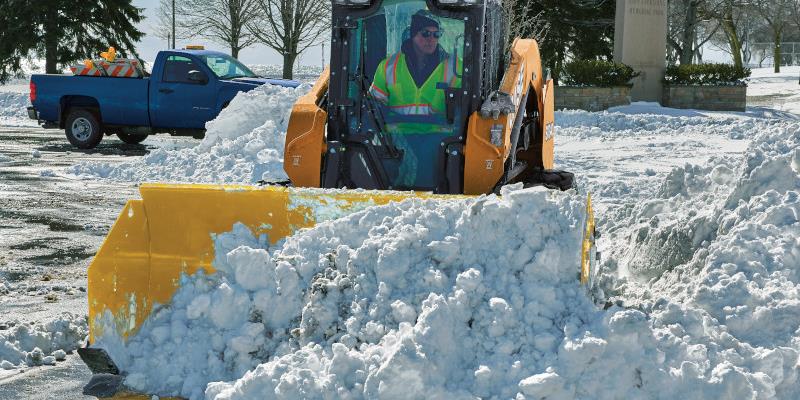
(413, 300)
(303, 73)
(623, 159)
(619, 122)
(13, 109)
(720, 248)
(38, 344)
(693, 205)
(244, 144)
(403, 298)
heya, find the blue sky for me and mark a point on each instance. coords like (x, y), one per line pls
(258, 54)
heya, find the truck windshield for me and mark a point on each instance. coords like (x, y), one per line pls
(227, 67)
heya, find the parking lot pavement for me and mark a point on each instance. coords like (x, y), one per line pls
(51, 225)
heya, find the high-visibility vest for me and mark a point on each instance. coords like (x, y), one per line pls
(394, 87)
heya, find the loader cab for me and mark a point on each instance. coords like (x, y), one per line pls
(391, 126)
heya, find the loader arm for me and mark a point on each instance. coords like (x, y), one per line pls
(488, 142)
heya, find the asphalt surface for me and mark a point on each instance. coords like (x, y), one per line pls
(51, 225)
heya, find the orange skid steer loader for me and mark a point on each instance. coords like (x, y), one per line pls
(482, 118)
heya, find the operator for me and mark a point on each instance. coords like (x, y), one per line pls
(410, 81)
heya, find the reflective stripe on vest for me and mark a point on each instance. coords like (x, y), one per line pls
(378, 94)
(413, 109)
(390, 69)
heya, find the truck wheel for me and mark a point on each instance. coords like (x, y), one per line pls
(83, 129)
(131, 139)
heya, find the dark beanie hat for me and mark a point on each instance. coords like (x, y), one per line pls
(421, 20)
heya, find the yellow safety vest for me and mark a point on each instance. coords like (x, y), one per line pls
(394, 87)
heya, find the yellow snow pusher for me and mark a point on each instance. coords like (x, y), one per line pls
(483, 118)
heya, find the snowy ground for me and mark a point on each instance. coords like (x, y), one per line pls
(777, 91)
(699, 287)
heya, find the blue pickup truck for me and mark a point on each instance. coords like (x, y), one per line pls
(186, 89)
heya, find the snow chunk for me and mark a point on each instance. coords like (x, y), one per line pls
(30, 344)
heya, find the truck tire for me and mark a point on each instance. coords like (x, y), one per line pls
(83, 129)
(130, 138)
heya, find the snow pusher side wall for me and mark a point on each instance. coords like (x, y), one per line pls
(305, 136)
(484, 160)
(170, 232)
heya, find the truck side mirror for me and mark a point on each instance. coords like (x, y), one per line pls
(197, 77)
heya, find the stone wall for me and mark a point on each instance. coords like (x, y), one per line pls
(591, 98)
(713, 98)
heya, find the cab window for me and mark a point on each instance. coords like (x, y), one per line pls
(226, 67)
(176, 69)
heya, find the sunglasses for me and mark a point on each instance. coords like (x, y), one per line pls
(427, 34)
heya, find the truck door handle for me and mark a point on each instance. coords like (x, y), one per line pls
(165, 90)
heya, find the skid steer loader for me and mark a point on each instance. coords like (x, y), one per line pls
(494, 126)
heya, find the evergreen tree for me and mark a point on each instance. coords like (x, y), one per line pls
(577, 29)
(64, 31)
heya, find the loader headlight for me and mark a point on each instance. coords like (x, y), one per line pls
(459, 3)
(353, 3)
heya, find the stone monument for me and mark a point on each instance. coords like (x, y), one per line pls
(640, 40)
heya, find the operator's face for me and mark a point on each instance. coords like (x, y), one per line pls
(426, 45)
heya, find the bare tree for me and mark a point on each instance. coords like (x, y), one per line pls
(734, 18)
(222, 21)
(689, 27)
(290, 27)
(777, 14)
(795, 13)
(169, 24)
(520, 24)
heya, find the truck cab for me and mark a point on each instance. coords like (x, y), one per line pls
(186, 89)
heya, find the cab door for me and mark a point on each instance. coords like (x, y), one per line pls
(181, 100)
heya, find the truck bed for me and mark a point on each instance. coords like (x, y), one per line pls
(122, 101)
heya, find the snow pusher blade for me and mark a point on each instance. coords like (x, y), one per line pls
(170, 232)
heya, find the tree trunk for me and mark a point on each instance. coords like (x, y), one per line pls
(777, 53)
(235, 51)
(687, 39)
(733, 39)
(51, 42)
(288, 65)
